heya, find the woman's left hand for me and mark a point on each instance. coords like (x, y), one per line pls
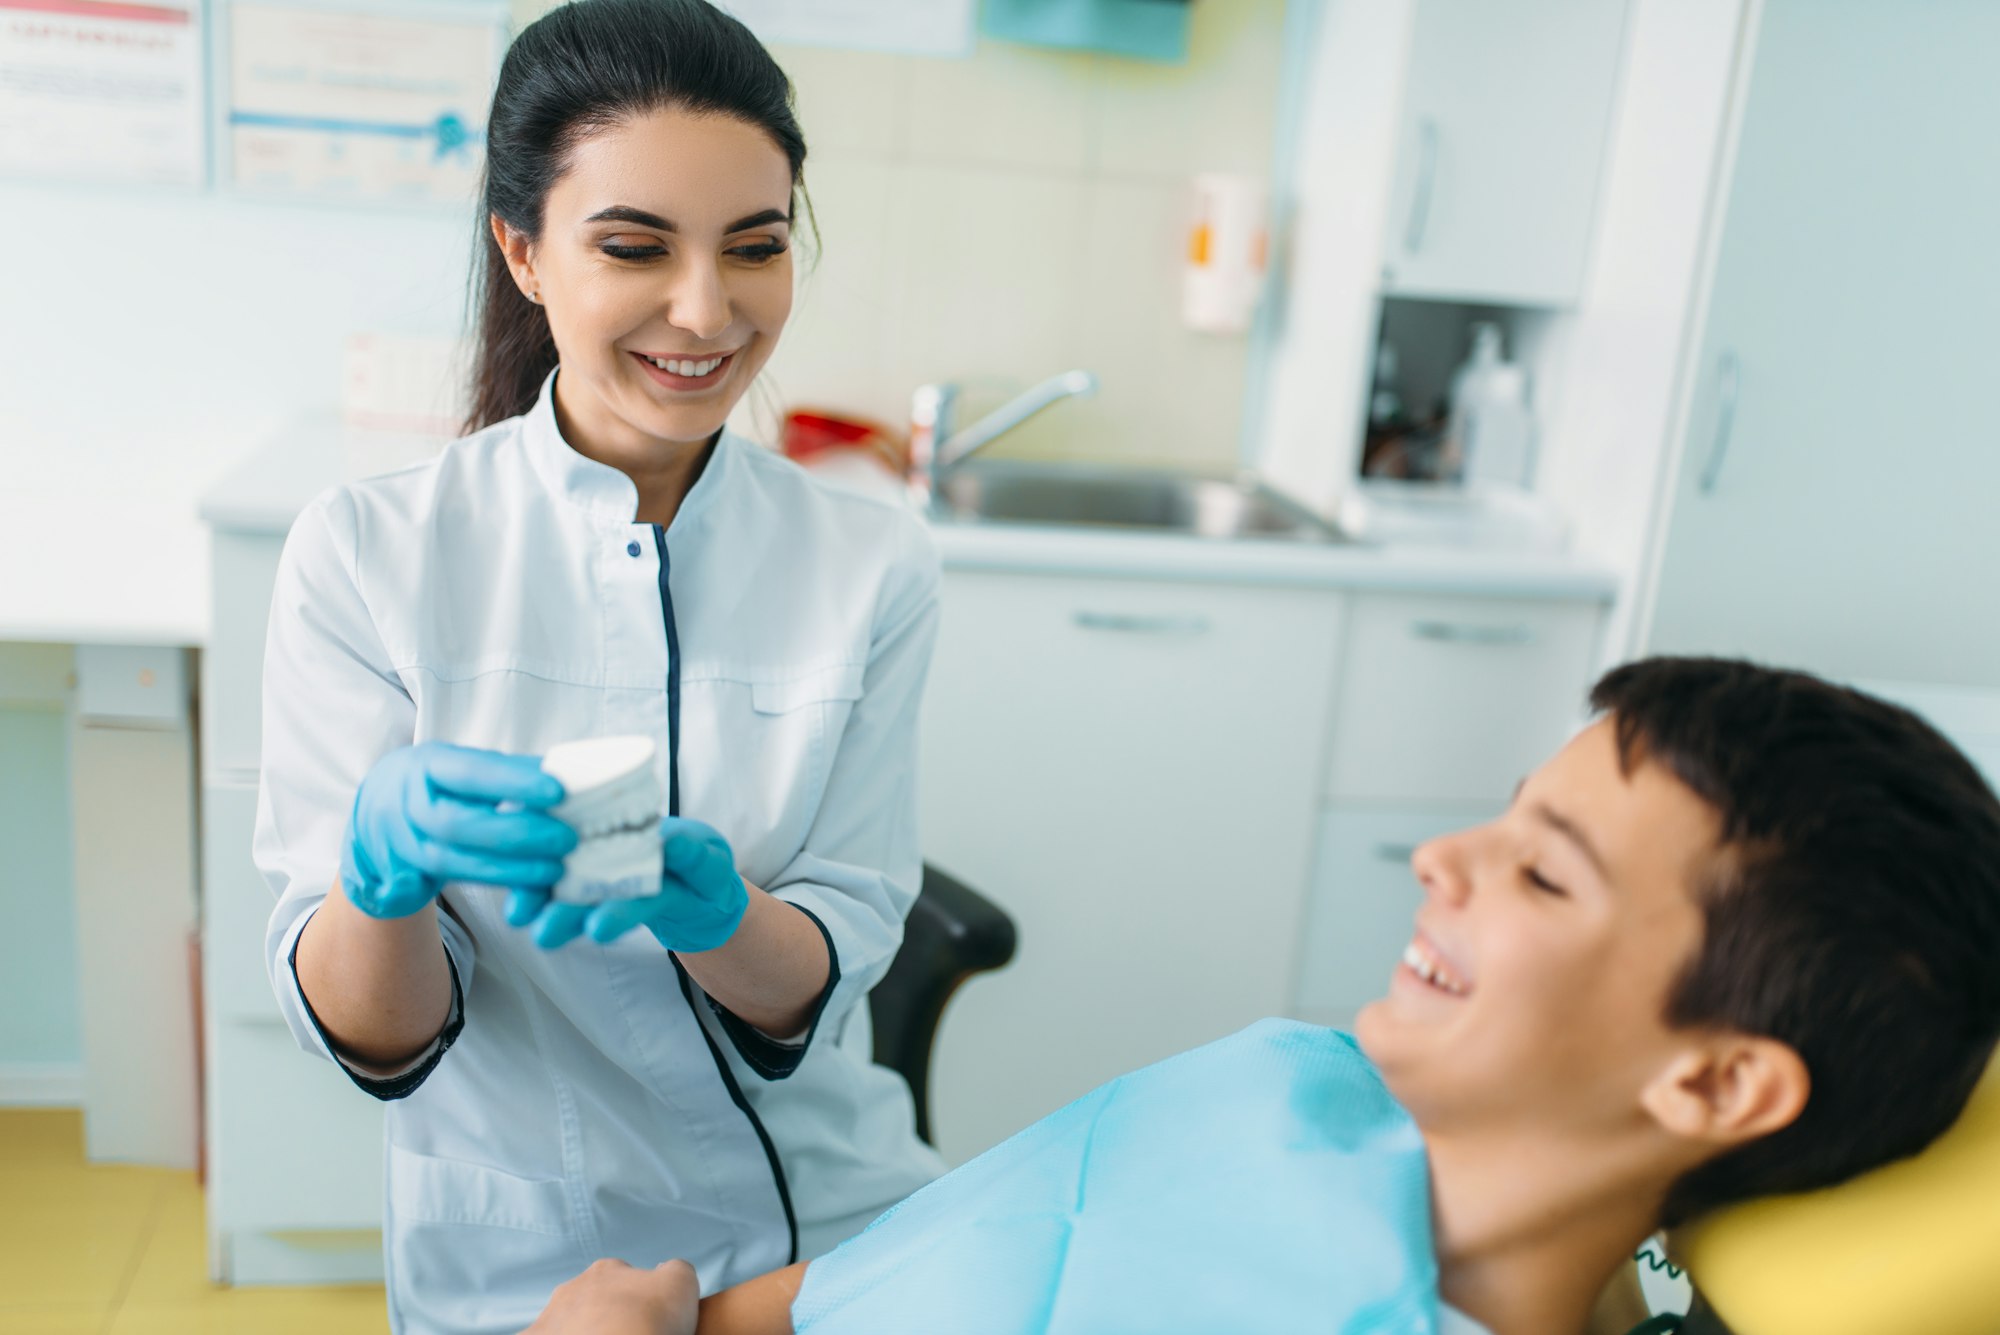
(701, 901)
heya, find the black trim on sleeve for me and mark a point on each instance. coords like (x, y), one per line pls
(404, 1085)
(762, 1053)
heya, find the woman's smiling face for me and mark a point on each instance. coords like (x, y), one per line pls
(664, 263)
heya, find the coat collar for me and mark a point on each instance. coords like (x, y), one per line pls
(598, 488)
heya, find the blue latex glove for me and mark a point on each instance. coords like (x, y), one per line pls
(429, 813)
(701, 901)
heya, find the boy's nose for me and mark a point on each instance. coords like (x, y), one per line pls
(1441, 869)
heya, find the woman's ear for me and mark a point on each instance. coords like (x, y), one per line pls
(1730, 1090)
(519, 252)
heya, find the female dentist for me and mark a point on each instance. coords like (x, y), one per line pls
(602, 557)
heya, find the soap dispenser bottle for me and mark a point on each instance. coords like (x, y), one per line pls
(1492, 433)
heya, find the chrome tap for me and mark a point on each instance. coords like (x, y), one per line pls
(937, 446)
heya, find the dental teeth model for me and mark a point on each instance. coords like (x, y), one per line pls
(611, 798)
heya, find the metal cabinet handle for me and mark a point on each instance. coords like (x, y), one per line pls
(1420, 195)
(1728, 383)
(1396, 853)
(1132, 624)
(1455, 632)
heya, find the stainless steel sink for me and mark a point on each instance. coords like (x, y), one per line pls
(1068, 495)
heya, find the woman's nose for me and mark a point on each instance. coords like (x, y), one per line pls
(699, 303)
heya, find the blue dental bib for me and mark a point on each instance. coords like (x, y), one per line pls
(1264, 1183)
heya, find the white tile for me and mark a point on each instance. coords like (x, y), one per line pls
(849, 103)
(1006, 106)
(1168, 395)
(988, 267)
(1217, 112)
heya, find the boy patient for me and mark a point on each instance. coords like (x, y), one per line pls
(1741, 936)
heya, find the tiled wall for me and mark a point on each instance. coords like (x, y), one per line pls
(1001, 218)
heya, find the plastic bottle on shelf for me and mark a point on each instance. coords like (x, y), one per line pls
(1492, 431)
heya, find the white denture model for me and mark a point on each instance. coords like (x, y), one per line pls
(611, 798)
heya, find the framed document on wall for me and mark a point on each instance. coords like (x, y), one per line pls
(102, 90)
(374, 103)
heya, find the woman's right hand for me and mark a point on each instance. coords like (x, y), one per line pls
(429, 813)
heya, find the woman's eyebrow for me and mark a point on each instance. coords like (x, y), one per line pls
(626, 213)
(764, 219)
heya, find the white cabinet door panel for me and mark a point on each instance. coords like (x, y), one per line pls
(1456, 699)
(1508, 107)
(1836, 503)
(1128, 768)
(1363, 900)
(293, 1145)
(236, 904)
(245, 570)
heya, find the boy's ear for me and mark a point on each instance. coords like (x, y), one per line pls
(1728, 1090)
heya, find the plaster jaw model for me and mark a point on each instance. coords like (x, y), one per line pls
(612, 799)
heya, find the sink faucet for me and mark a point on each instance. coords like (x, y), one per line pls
(937, 446)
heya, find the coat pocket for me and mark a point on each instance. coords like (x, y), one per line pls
(474, 1249)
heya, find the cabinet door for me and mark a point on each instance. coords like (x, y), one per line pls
(1506, 115)
(1128, 768)
(1456, 699)
(1835, 505)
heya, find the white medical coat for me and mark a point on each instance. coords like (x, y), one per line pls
(594, 1102)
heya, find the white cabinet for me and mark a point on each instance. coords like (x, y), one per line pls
(1456, 699)
(294, 1150)
(1129, 768)
(1506, 110)
(1835, 503)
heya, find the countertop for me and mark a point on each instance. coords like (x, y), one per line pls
(115, 569)
(267, 492)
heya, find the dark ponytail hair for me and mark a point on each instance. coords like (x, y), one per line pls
(581, 68)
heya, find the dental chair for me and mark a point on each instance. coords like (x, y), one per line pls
(1912, 1248)
(953, 933)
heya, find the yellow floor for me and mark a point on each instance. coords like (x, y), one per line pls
(92, 1249)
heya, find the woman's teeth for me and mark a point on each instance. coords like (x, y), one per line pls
(1432, 970)
(683, 367)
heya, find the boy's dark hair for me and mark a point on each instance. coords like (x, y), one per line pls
(1852, 910)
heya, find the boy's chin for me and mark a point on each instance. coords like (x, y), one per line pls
(1375, 1028)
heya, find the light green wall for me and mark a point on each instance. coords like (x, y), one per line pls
(38, 997)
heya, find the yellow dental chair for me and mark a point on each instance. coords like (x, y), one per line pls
(1912, 1248)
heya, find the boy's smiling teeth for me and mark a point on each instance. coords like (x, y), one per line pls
(1426, 964)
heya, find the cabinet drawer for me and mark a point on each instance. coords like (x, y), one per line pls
(236, 904)
(245, 572)
(292, 1144)
(1456, 699)
(1362, 900)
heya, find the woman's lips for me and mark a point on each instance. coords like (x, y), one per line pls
(673, 375)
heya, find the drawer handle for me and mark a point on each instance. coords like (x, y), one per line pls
(1458, 632)
(1131, 624)
(1400, 854)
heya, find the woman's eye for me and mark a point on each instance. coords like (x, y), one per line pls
(759, 253)
(619, 251)
(1543, 883)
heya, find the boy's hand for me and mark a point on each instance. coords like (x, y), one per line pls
(612, 1298)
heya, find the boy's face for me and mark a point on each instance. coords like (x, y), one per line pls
(1553, 936)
